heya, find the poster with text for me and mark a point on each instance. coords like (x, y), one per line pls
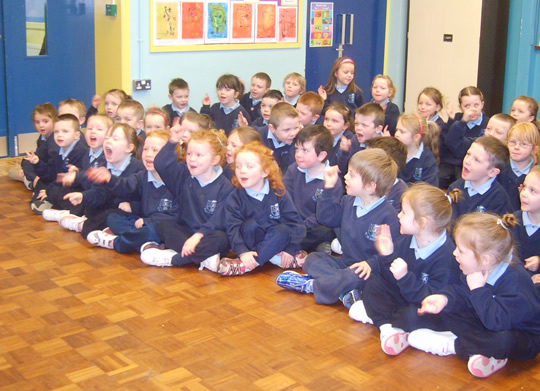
(287, 25)
(217, 22)
(192, 22)
(166, 17)
(242, 22)
(266, 22)
(321, 24)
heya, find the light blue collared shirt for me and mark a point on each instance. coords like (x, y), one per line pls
(277, 144)
(342, 89)
(384, 102)
(472, 124)
(426, 252)
(497, 273)
(65, 152)
(320, 175)
(154, 181)
(260, 195)
(524, 171)
(119, 170)
(434, 118)
(139, 130)
(361, 210)
(217, 169)
(418, 153)
(229, 109)
(338, 138)
(94, 155)
(529, 226)
(179, 111)
(482, 189)
(293, 100)
(253, 100)
(43, 137)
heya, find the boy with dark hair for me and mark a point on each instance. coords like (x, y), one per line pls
(179, 97)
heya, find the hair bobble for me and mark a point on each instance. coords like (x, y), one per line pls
(345, 60)
(159, 113)
(500, 222)
(218, 139)
(419, 122)
(449, 199)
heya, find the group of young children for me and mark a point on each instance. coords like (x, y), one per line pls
(353, 193)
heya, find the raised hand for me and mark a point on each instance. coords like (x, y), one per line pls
(331, 176)
(383, 241)
(322, 92)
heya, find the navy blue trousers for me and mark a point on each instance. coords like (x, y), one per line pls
(315, 236)
(266, 243)
(130, 238)
(332, 277)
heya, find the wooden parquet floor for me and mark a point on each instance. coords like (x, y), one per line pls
(76, 317)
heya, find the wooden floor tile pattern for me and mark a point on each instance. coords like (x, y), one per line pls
(75, 317)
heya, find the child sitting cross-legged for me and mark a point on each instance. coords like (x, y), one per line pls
(359, 214)
(127, 231)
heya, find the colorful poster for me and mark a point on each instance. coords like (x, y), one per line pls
(192, 21)
(287, 26)
(242, 22)
(266, 22)
(217, 22)
(166, 21)
(321, 24)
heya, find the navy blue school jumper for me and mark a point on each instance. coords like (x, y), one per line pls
(458, 138)
(45, 148)
(344, 157)
(254, 109)
(58, 164)
(500, 319)
(268, 225)
(422, 167)
(391, 115)
(201, 209)
(332, 276)
(98, 202)
(228, 172)
(494, 200)
(226, 121)
(259, 123)
(335, 153)
(305, 195)
(388, 300)
(394, 196)
(156, 205)
(351, 99)
(282, 153)
(173, 114)
(511, 182)
(526, 245)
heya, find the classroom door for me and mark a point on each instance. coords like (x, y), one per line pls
(360, 25)
(49, 56)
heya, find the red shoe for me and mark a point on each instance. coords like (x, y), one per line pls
(231, 267)
(299, 259)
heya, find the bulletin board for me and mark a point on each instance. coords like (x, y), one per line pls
(195, 25)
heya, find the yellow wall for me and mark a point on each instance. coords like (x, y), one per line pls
(112, 46)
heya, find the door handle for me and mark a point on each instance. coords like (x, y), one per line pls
(351, 29)
(343, 23)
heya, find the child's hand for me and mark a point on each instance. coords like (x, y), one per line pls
(532, 263)
(331, 177)
(386, 132)
(125, 206)
(286, 259)
(96, 101)
(344, 144)
(248, 259)
(398, 268)
(176, 133)
(99, 175)
(74, 198)
(189, 245)
(477, 279)
(72, 168)
(69, 178)
(383, 241)
(433, 304)
(139, 223)
(42, 194)
(469, 115)
(242, 121)
(450, 111)
(535, 278)
(362, 269)
(322, 92)
(206, 100)
(31, 157)
(36, 180)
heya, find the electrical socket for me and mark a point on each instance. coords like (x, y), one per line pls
(142, 84)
